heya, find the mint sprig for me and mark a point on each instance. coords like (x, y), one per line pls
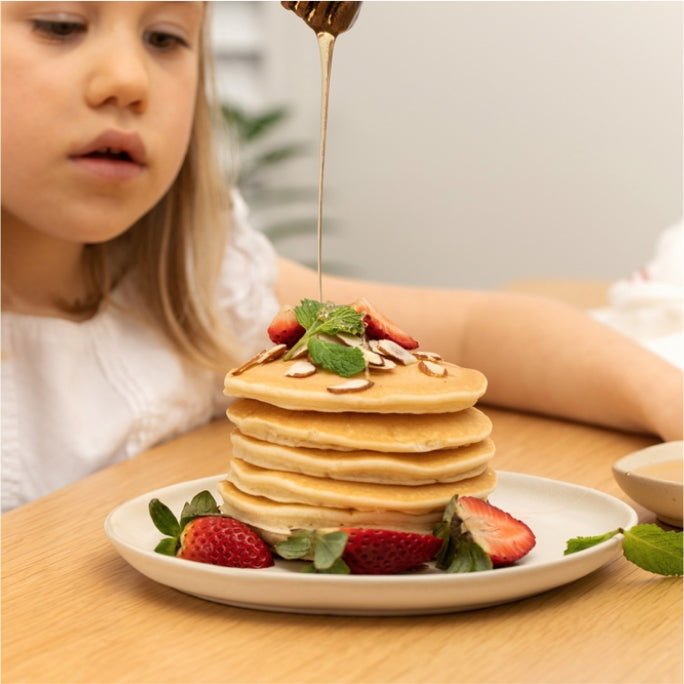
(647, 546)
(320, 320)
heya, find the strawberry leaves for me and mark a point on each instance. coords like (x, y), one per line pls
(648, 546)
(325, 550)
(165, 521)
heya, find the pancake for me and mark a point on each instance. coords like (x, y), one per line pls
(275, 520)
(403, 390)
(290, 487)
(444, 465)
(348, 431)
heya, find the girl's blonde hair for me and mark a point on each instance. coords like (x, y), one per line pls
(175, 251)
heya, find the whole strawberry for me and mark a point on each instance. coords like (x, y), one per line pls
(386, 552)
(206, 536)
(360, 551)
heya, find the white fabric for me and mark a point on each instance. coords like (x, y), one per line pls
(77, 397)
(649, 305)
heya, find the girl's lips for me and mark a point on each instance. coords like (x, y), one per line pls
(112, 155)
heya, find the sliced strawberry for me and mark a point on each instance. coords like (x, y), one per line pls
(385, 552)
(379, 327)
(501, 536)
(285, 328)
(220, 540)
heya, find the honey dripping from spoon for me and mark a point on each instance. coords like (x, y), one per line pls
(328, 20)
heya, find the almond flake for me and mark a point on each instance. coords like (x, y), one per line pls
(396, 352)
(354, 385)
(301, 369)
(427, 355)
(350, 340)
(263, 356)
(372, 358)
(386, 365)
(433, 369)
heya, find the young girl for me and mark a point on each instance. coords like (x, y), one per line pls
(131, 280)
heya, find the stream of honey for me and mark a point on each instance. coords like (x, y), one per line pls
(328, 20)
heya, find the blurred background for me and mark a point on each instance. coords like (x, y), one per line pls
(470, 143)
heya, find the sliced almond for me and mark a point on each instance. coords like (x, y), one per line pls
(373, 345)
(372, 358)
(350, 340)
(396, 352)
(426, 355)
(432, 368)
(353, 385)
(263, 356)
(387, 364)
(301, 369)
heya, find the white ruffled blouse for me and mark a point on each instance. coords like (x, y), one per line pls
(77, 397)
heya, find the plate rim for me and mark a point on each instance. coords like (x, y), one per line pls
(593, 557)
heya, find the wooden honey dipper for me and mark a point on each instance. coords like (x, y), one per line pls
(326, 17)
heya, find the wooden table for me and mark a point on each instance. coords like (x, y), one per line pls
(74, 611)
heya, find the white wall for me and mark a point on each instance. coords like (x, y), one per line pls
(471, 143)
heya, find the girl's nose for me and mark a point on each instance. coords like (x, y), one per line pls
(119, 77)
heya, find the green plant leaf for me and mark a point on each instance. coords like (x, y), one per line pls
(338, 359)
(469, 557)
(328, 549)
(201, 504)
(647, 546)
(581, 543)
(167, 546)
(162, 517)
(654, 549)
(298, 545)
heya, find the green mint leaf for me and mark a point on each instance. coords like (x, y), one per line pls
(297, 545)
(647, 546)
(201, 504)
(342, 319)
(654, 549)
(328, 319)
(308, 312)
(162, 517)
(337, 358)
(469, 557)
(581, 543)
(328, 549)
(167, 546)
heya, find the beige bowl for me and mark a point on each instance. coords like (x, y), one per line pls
(653, 478)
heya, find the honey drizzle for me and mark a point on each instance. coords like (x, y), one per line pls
(326, 43)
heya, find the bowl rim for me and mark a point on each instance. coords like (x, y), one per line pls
(656, 453)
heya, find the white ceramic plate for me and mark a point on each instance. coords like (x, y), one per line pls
(653, 478)
(555, 511)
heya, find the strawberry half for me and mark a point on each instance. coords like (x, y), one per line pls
(202, 534)
(221, 540)
(386, 552)
(502, 537)
(379, 327)
(285, 328)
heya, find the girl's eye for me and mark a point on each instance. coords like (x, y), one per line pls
(162, 40)
(58, 29)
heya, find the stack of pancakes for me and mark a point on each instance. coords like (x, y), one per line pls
(390, 455)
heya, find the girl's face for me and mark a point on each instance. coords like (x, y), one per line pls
(97, 109)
